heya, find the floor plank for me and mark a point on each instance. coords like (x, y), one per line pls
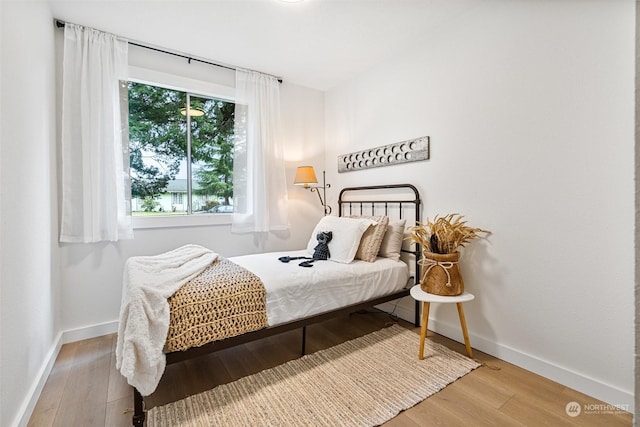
(85, 389)
(119, 412)
(84, 399)
(49, 400)
(118, 386)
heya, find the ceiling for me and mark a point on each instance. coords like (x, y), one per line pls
(314, 43)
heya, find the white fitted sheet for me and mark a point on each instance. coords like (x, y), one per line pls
(295, 292)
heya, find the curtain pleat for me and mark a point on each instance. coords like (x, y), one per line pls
(95, 156)
(259, 183)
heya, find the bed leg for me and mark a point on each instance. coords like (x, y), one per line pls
(304, 340)
(416, 321)
(138, 409)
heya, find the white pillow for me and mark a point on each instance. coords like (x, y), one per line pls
(347, 233)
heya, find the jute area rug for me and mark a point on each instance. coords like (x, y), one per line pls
(362, 382)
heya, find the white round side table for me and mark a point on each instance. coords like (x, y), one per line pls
(427, 298)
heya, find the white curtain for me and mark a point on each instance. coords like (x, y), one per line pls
(95, 161)
(259, 179)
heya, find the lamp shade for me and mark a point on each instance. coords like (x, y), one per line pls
(305, 175)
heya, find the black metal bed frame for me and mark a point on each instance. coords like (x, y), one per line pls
(343, 202)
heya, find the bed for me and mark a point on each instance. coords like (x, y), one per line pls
(297, 296)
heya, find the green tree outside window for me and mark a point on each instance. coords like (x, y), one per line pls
(158, 148)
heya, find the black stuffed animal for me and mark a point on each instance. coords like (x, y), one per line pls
(321, 251)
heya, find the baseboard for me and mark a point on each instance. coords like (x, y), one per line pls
(29, 403)
(605, 392)
(87, 332)
(22, 418)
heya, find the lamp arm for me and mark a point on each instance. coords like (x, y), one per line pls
(316, 190)
(327, 208)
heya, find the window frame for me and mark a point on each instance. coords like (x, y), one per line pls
(197, 88)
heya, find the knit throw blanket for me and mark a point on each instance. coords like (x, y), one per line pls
(225, 300)
(148, 282)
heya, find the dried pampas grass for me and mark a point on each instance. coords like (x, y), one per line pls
(444, 235)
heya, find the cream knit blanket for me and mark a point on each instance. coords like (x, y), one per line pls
(148, 281)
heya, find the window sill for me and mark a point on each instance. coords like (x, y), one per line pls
(173, 221)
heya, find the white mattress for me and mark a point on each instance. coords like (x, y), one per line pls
(295, 292)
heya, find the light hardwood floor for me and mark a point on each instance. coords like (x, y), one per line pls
(84, 388)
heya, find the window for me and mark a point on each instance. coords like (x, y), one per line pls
(177, 199)
(181, 159)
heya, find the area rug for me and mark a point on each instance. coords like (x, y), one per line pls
(362, 382)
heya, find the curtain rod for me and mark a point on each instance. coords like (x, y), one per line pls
(61, 24)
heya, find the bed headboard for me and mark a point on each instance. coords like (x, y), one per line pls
(397, 201)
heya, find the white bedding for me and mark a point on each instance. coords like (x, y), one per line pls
(294, 292)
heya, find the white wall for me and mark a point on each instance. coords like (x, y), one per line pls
(92, 273)
(29, 271)
(636, 420)
(529, 106)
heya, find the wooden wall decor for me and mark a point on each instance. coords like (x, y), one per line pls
(412, 150)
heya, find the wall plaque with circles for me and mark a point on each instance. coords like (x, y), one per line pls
(412, 150)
